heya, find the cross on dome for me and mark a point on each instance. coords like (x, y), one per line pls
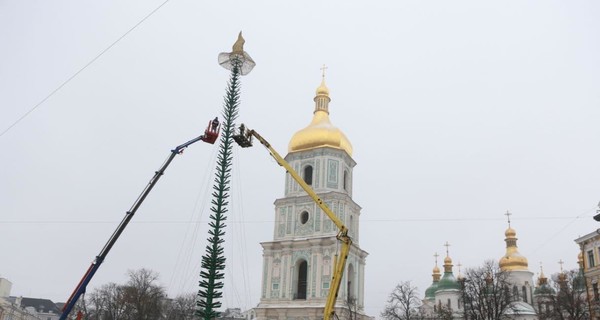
(508, 214)
(323, 68)
(560, 262)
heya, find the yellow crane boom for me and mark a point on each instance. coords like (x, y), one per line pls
(244, 139)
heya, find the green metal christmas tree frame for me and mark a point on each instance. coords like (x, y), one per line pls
(213, 261)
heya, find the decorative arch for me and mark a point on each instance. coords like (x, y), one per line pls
(301, 280)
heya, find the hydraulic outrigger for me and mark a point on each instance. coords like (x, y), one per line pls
(244, 139)
(210, 136)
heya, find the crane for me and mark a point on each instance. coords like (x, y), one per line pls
(244, 139)
(210, 136)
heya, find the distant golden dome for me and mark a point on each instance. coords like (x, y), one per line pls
(436, 270)
(510, 233)
(512, 260)
(447, 260)
(320, 132)
(322, 89)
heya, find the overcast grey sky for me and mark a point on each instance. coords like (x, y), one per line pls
(457, 111)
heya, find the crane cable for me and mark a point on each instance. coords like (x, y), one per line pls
(181, 271)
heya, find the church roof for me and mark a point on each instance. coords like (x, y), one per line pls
(320, 132)
(520, 308)
(430, 292)
(544, 289)
(448, 281)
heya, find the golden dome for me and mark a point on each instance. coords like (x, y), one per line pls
(320, 132)
(447, 260)
(322, 89)
(510, 233)
(512, 260)
(436, 270)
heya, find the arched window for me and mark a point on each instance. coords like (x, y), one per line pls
(308, 175)
(302, 280)
(345, 180)
(350, 278)
(515, 293)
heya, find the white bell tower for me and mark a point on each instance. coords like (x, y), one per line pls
(298, 262)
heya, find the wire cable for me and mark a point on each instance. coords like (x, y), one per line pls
(180, 271)
(362, 221)
(563, 229)
(82, 69)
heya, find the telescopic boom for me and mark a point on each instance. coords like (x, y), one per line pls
(210, 135)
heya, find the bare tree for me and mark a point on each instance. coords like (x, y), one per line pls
(486, 293)
(570, 300)
(443, 313)
(182, 307)
(403, 303)
(143, 295)
(141, 298)
(107, 303)
(350, 312)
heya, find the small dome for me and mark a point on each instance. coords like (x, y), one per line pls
(447, 260)
(436, 270)
(510, 233)
(322, 89)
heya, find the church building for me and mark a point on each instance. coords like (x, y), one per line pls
(298, 263)
(445, 291)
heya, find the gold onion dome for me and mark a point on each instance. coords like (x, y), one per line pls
(320, 132)
(543, 288)
(436, 275)
(512, 260)
(436, 270)
(510, 232)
